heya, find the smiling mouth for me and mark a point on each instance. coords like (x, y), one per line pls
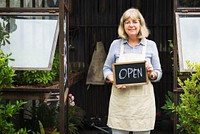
(132, 29)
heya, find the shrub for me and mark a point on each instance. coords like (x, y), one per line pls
(188, 108)
(35, 77)
(8, 110)
(6, 72)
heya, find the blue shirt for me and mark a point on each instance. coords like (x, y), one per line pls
(151, 55)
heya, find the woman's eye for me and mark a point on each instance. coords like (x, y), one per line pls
(128, 22)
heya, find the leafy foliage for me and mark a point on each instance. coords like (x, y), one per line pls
(47, 113)
(42, 131)
(188, 108)
(8, 110)
(171, 45)
(75, 119)
(31, 77)
(168, 103)
(6, 72)
(4, 35)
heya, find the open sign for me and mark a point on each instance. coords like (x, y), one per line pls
(130, 73)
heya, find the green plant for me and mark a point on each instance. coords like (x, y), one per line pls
(188, 108)
(75, 119)
(7, 111)
(169, 100)
(171, 45)
(42, 131)
(75, 116)
(36, 77)
(47, 113)
(4, 35)
(6, 72)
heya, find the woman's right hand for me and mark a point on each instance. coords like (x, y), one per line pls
(121, 86)
(110, 78)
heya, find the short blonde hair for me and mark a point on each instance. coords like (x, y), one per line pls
(135, 15)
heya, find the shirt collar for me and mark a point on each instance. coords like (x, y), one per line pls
(142, 42)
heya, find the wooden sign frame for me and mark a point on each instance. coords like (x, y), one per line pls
(130, 73)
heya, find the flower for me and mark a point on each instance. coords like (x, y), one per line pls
(71, 100)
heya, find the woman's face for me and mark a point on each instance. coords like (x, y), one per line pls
(132, 27)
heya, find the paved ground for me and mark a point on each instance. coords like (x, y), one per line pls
(96, 131)
(95, 127)
(105, 130)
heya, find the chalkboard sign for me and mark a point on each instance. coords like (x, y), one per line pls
(130, 73)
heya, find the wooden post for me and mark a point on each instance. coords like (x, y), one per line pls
(61, 73)
(175, 68)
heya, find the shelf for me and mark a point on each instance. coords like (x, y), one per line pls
(28, 92)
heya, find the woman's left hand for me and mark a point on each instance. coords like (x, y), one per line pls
(149, 67)
(151, 73)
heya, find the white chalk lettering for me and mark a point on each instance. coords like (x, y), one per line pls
(140, 72)
(130, 73)
(121, 72)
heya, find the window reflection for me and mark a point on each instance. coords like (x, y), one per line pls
(3, 3)
(15, 3)
(27, 3)
(188, 33)
(41, 3)
(53, 3)
(189, 3)
(30, 3)
(32, 39)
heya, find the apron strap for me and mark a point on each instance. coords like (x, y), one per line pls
(121, 47)
(145, 47)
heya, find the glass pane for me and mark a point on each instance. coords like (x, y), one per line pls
(40, 3)
(31, 3)
(27, 3)
(33, 41)
(3, 3)
(52, 3)
(15, 3)
(188, 33)
(189, 3)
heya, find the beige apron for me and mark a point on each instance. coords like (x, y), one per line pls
(133, 108)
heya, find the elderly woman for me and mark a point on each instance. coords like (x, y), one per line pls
(132, 108)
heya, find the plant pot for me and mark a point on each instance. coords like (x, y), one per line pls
(48, 130)
(166, 125)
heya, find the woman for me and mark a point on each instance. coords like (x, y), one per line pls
(132, 108)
